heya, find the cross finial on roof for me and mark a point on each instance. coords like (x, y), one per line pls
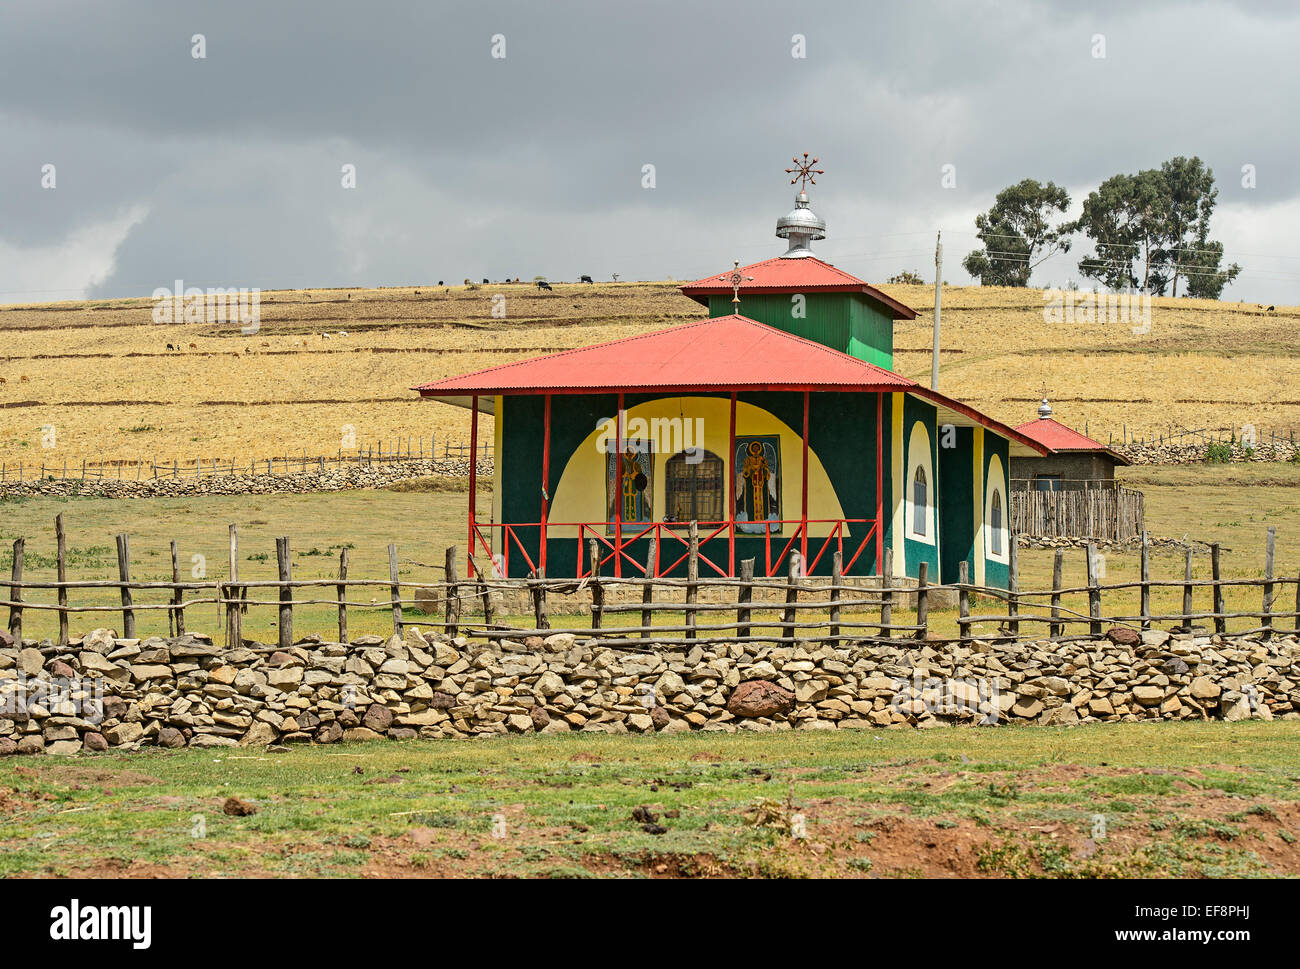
(736, 278)
(804, 171)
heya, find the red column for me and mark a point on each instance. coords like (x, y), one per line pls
(730, 466)
(880, 482)
(546, 481)
(618, 493)
(473, 480)
(803, 545)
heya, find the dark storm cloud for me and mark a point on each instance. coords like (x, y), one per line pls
(473, 166)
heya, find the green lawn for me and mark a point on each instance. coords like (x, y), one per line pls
(1144, 800)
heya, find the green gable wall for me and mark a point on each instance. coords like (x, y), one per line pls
(997, 573)
(916, 552)
(847, 322)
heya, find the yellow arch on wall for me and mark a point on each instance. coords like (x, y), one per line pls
(580, 494)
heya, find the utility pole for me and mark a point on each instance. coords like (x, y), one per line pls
(938, 299)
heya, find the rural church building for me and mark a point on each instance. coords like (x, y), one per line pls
(777, 424)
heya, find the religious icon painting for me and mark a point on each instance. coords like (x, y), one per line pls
(632, 493)
(757, 464)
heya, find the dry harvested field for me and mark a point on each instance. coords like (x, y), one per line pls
(101, 375)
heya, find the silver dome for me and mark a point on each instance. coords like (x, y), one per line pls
(801, 226)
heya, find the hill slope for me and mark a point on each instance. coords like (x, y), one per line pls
(100, 373)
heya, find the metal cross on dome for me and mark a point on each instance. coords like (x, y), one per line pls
(804, 172)
(735, 277)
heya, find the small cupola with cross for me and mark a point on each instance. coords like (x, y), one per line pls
(800, 225)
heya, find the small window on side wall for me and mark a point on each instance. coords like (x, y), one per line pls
(919, 503)
(996, 522)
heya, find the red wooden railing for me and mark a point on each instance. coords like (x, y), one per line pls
(672, 544)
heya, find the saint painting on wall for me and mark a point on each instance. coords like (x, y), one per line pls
(757, 464)
(632, 492)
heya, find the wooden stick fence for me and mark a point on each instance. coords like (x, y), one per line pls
(800, 608)
(402, 450)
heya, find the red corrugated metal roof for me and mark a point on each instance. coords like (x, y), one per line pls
(780, 275)
(1058, 437)
(723, 353)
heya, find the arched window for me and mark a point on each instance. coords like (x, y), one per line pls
(997, 531)
(693, 489)
(919, 503)
(920, 487)
(995, 519)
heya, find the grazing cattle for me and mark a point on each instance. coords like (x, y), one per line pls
(440, 282)
(24, 379)
(170, 347)
(584, 279)
(542, 284)
(194, 346)
(265, 344)
(485, 280)
(3, 381)
(324, 336)
(1270, 309)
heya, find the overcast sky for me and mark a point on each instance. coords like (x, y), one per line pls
(226, 170)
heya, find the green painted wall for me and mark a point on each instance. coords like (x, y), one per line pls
(957, 509)
(996, 573)
(917, 552)
(847, 322)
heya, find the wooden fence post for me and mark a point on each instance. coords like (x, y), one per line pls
(1057, 629)
(1270, 540)
(451, 607)
(744, 595)
(791, 597)
(597, 590)
(16, 592)
(178, 594)
(1145, 609)
(1013, 586)
(485, 592)
(342, 588)
(540, 617)
(285, 567)
(922, 601)
(692, 578)
(837, 576)
(395, 585)
(648, 590)
(61, 545)
(1094, 593)
(887, 596)
(1220, 623)
(1187, 591)
(124, 573)
(234, 615)
(963, 600)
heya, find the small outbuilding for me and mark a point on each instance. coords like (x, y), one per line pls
(1074, 462)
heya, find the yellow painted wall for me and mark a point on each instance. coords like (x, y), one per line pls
(580, 495)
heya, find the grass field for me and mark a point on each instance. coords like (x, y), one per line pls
(99, 373)
(1124, 800)
(1230, 504)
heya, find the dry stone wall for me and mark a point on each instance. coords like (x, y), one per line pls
(103, 692)
(324, 478)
